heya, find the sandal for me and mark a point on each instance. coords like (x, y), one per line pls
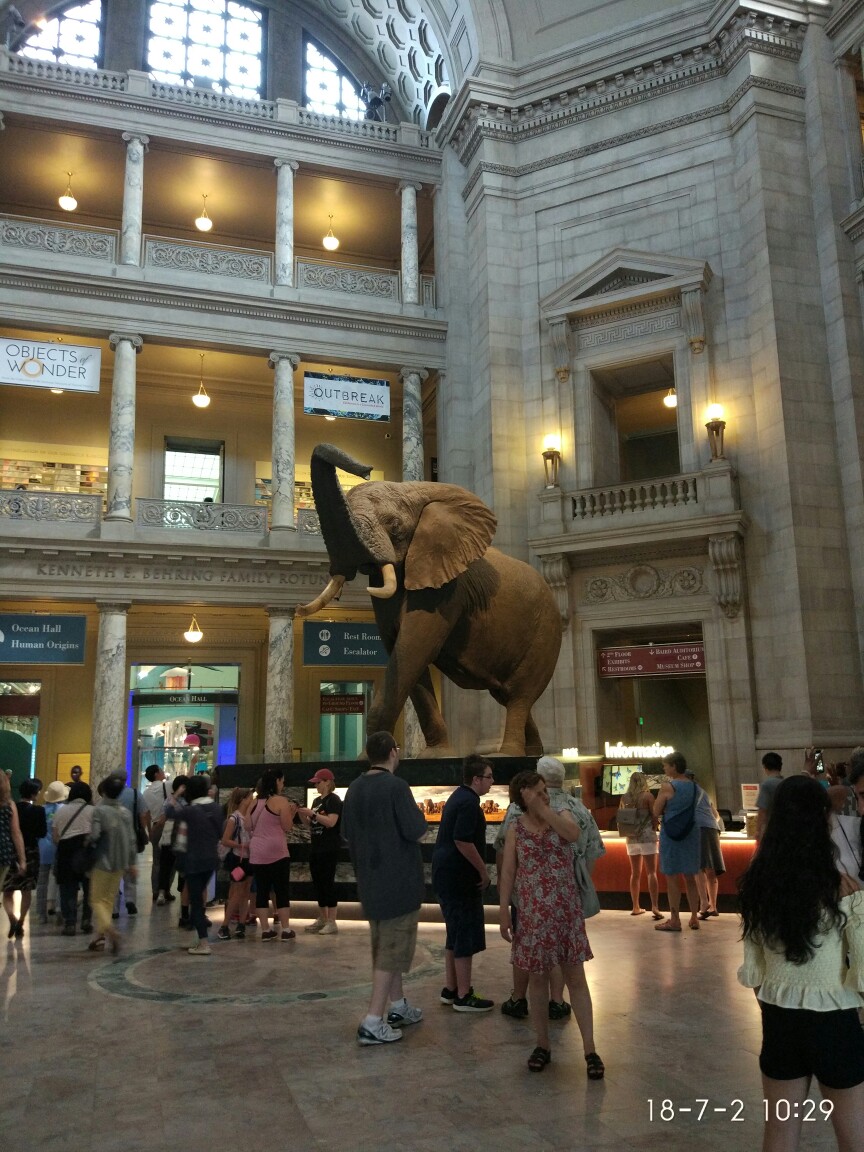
(704, 915)
(656, 915)
(97, 945)
(667, 926)
(539, 1058)
(694, 924)
(596, 1067)
(638, 912)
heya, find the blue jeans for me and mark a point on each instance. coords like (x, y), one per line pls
(69, 902)
(197, 882)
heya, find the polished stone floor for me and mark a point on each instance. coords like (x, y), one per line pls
(254, 1048)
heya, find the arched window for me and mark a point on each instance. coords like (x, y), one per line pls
(207, 44)
(328, 87)
(74, 37)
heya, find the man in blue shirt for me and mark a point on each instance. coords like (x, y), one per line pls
(459, 877)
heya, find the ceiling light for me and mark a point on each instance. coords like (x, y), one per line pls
(57, 391)
(330, 242)
(329, 417)
(193, 633)
(201, 399)
(203, 222)
(670, 399)
(67, 201)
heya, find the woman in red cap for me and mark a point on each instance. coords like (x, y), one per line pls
(325, 842)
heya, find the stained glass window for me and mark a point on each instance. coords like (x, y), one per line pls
(74, 37)
(328, 88)
(207, 44)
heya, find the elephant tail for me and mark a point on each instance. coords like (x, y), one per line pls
(329, 454)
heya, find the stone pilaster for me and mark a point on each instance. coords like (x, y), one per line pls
(108, 742)
(285, 170)
(133, 198)
(410, 252)
(412, 423)
(121, 441)
(279, 706)
(282, 507)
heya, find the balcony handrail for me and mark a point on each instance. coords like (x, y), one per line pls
(633, 497)
(199, 516)
(57, 507)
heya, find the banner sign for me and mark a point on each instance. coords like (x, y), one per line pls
(351, 397)
(36, 639)
(47, 364)
(344, 644)
(749, 796)
(342, 704)
(144, 697)
(652, 660)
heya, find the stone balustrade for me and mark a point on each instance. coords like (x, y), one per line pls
(209, 259)
(209, 101)
(98, 79)
(308, 523)
(184, 514)
(57, 507)
(352, 278)
(58, 238)
(633, 499)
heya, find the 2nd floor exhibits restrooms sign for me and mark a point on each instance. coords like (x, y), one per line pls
(351, 397)
(48, 364)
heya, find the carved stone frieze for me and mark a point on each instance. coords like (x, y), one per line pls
(308, 522)
(204, 517)
(644, 582)
(636, 329)
(211, 261)
(626, 312)
(42, 236)
(726, 554)
(358, 281)
(556, 573)
(58, 506)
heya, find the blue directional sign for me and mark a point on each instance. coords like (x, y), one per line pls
(342, 644)
(32, 638)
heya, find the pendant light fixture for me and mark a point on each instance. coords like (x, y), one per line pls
(203, 222)
(67, 201)
(193, 633)
(671, 399)
(201, 399)
(330, 242)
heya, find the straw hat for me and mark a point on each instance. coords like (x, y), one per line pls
(56, 792)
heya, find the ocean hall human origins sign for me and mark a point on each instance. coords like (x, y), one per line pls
(32, 638)
(49, 364)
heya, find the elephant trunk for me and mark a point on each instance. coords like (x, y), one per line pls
(331, 592)
(344, 546)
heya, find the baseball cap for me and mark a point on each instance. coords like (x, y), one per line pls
(322, 774)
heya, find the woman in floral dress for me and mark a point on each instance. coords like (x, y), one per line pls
(550, 927)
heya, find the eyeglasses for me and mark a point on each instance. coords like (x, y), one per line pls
(484, 777)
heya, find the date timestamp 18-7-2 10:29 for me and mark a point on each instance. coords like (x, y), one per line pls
(734, 1111)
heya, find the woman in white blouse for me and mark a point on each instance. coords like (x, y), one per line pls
(800, 927)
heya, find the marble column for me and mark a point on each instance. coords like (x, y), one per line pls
(410, 253)
(412, 423)
(108, 737)
(279, 705)
(282, 505)
(133, 198)
(121, 441)
(285, 170)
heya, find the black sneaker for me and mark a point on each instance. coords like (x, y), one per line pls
(240, 932)
(448, 995)
(559, 1011)
(472, 1003)
(223, 933)
(518, 1009)
(131, 909)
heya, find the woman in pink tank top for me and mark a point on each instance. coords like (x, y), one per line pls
(269, 821)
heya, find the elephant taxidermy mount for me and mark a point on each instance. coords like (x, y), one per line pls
(441, 595)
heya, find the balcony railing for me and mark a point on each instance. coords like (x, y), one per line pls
(208, 259)
(201, 517)
(55, 507)
(25, 233)
(632, 499)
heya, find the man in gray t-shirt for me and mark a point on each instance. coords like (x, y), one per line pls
(772, 765)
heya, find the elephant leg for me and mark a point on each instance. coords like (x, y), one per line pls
(419, 639)
(428, 713)
(533, 743)
(516, 723)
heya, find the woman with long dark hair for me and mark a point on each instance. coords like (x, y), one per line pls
(269, 822)
(798, 930)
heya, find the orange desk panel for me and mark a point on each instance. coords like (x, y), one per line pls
(612, 871)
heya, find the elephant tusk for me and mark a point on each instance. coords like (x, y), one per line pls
(389, 586)
(331, 592)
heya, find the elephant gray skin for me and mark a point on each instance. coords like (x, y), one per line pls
(441, 595)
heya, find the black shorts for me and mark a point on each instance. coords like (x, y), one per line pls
(466, 930)
(798, 1042)
(276, 876)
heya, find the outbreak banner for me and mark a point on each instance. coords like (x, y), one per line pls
(36, 639)
(350, 397)
(652, 660)
(46, 364)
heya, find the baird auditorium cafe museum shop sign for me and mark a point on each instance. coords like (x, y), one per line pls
(47, 364)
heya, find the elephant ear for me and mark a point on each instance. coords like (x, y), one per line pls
(450, 535)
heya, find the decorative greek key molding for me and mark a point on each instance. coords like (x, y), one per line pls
(58, 506)
(203, 517)
(644, 582)
(556, 573)
(359, 281)
(210, 101)
(44, 236)
(726, 554)
(307, 522)
(611, 334)
(624, 499)
(210, 260)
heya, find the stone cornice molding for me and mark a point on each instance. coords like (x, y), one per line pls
(483, 113)
(853, 225)
(554, 159)
(846, 26)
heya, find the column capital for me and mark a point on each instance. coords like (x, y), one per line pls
(143, 140)
(119, 607)
(404, 185)
(277, 611)
(421, 373)
(280, 357)
(2, 124)
(136, 341)
(282, 162)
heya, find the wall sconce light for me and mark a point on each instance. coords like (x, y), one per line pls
(193, 633)
(201, 399)
(551, 460)
(671, 399)
(67, 201)
(330, 242)
(716, 427)
(203, 222)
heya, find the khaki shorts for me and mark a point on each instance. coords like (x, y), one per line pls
(394, 941)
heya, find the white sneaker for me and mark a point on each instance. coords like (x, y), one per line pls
(316, 925)
(328, 929)
(380, 1033)
(403, 1013)
(201, 949)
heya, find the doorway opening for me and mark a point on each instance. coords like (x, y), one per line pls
(635, 422)
(344, 705)
(19, 729)
(193, 469)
